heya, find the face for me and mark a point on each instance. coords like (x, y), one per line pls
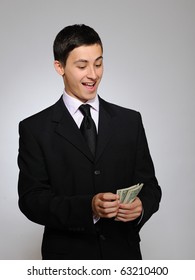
(82, 72)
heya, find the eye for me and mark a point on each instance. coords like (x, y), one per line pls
(98, 65)
(81, 67)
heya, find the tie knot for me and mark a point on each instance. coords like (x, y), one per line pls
(85, 110)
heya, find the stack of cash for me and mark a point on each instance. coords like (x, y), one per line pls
(127, 195)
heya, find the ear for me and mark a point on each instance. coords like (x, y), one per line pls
(59, 67)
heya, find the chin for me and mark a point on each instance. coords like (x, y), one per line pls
(89, 96)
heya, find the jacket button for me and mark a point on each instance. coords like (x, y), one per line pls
(102, 237)
(97, 172)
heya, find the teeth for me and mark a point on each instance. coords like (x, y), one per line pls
(89, 84)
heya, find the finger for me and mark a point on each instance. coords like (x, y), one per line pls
(137, 202)
(129, 214)
(109, 196)
(108, 204)
(119, 219)
(127, 218)
(111, 208)
(105, 205)
(132, 206)
(108, 212)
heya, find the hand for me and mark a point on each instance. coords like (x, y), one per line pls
(105, 205)
(129, 211)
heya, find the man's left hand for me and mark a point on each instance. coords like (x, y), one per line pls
(129, 211)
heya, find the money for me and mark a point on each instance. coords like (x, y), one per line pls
(127, 195)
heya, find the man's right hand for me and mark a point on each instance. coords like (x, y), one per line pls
(105, 205)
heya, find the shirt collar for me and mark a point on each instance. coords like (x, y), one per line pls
(73, 104)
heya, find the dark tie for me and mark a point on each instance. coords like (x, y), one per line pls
(88, 127)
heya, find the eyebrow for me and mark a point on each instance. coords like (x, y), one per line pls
(85, 61)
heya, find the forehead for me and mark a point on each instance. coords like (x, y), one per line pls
(88, 53)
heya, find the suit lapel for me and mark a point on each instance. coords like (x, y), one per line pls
(67, 128)
(105, 128)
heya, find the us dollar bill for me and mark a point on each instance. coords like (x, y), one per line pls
(127, 195)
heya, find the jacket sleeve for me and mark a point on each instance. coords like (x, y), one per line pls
(150, 194)
(37, 201)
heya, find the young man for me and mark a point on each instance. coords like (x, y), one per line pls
(69, 185)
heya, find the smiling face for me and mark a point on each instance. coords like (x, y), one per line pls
(83, 71)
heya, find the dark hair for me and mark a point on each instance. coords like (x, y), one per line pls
(71, 37)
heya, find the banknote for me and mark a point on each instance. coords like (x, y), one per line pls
(127, 195)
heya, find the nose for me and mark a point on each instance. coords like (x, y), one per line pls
(92, 74)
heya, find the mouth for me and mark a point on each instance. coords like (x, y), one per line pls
(90, 85)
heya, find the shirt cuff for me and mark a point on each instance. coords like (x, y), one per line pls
(140, 217)
(95, 219)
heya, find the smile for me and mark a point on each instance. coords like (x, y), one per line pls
(91, 85)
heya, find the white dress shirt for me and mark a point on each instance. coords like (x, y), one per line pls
(73, 105)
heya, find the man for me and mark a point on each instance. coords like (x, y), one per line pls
(69, 185)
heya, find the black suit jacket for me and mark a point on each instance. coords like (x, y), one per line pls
(59, 177)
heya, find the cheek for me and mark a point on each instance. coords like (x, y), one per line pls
(100, 73)
(71, 80)
(76, 78)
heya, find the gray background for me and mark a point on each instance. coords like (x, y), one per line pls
(149, 66)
